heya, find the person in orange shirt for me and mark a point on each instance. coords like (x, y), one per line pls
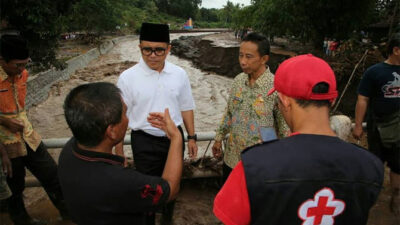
(23, 145)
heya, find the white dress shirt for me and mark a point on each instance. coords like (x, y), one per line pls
(145, 90)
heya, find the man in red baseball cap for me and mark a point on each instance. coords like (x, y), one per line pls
(311, 177)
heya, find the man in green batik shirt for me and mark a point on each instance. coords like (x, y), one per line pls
(250, 111)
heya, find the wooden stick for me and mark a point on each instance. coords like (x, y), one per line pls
(348, 82)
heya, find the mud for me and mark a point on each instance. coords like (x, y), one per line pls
(219, 53)
(194, 203)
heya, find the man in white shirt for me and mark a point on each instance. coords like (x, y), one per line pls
(151, 86)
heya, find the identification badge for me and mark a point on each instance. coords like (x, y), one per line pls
(267, 134)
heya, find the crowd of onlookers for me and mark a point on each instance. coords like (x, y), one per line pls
(330, 46)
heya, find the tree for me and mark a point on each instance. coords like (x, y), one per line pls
(39, 22)
(312, 20)
(95, 15)
(243, 18)
(227, 12)
(209, 15)
(184, 8)
(162, 5)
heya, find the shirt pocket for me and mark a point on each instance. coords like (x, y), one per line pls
(259, 106)
(2, 90)
(173, 92)
(5, 96)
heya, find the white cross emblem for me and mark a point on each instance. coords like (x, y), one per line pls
(322, 209)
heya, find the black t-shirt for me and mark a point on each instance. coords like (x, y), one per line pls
(381, 83)
(99, 190)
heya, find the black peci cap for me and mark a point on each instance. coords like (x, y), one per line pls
(13, 47)
(154, 32)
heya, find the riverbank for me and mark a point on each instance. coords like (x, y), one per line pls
(210, 91)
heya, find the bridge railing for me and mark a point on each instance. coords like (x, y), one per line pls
(59, 143)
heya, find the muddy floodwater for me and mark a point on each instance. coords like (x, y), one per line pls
(210, 91)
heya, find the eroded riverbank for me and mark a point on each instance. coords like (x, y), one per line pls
(210, 91)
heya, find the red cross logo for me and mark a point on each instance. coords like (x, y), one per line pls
(322, 209)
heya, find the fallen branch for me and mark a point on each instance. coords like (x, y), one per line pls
(349, 81)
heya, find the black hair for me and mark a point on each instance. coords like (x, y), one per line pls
(13, 46)
(260, 40)
(90, 108)
(319, 88)
(393, 42)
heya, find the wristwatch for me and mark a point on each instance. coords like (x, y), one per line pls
(194, 137)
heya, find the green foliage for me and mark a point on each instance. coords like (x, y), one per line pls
(42, 22)
(94, 15)
(308, 20)
(209, 15)
(105, 15)
(228, 11)
(39, 22)
(184, 8)
(243, 18)
(205, 24)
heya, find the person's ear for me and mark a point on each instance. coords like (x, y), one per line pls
(265, 59)
(111, 132)
(396, 50)
(284, 100)
(168, 49)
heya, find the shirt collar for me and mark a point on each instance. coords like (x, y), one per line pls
(262, 80)
(3, 74)
(92, 156)
(167, 67)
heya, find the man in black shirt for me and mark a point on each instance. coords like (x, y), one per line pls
(379, 94)
(98, 189)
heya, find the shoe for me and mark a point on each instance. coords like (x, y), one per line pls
(395, 202)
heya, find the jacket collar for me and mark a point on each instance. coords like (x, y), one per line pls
(92, 156)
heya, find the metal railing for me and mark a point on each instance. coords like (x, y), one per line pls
(201, 136)
(59, 143)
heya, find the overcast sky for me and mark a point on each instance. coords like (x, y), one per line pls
(220, 3)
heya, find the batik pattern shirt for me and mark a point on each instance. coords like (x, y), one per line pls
(249, 109)
(12, 106)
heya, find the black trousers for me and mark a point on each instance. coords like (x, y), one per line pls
(44, 168)
(226, 171)
(149, 155)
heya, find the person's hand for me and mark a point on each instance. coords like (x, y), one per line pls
(13, 125)
(5, 162)
(192, 146)
(164, 122)
(217, 149)
(357, 132)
